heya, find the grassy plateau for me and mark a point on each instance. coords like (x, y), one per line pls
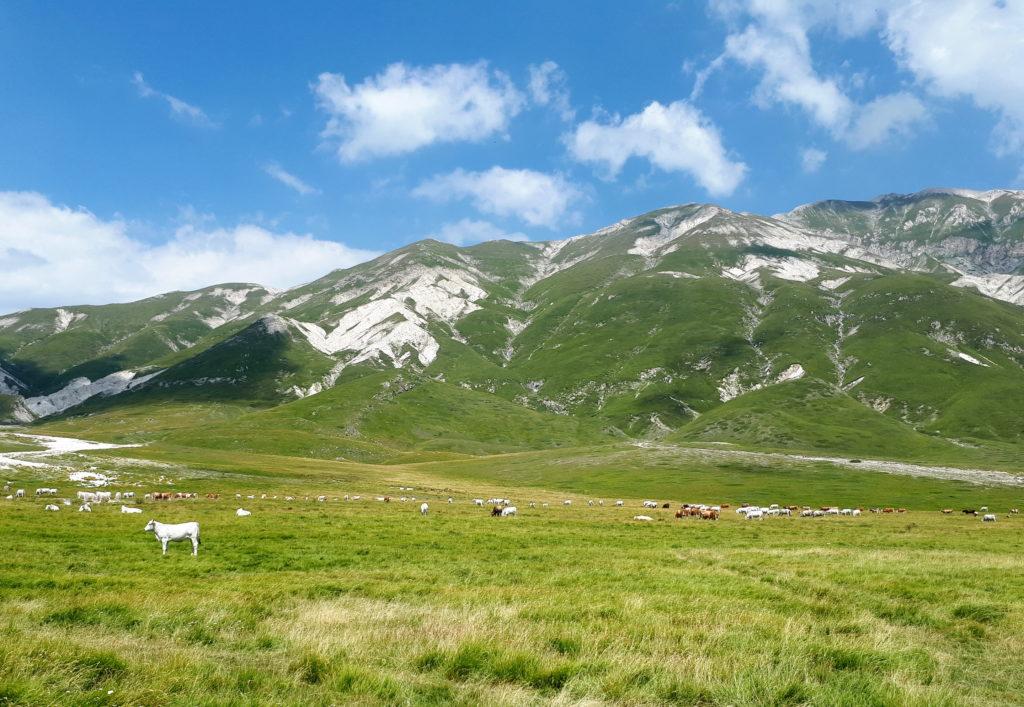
(364, 602)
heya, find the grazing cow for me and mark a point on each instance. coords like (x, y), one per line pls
(44, 491)
(989, 518)
(451, 500)
(85, 508)
(846, 512)
(129, 509)
(242, 513)
(86, 496)
(478, 501)
(755, 514)
(619, 503)
(1014, 511)
(128, 494)
(856, 512)
(292, 498)
(213, 496)
(51, 507)
(508, 511)
(983, 509)
(901, 510)
(567, 502)
(969, 512)
(20, 493)
(174, 532)
(162, 496)
(590, 503)
(709, 514)
(789, 512)
(642, 518)
(947, 511)
(533, 504)
(321, 499)
(496, 511)
(650, 504)
(806, 513)
(424, 509)
(888, 509)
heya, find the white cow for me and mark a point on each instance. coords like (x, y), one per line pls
(478, 501)
(128, 494)
(989, 518)
(51, 507)
(451, 500)
(755, 514)
(20, 493)
(846, 512)
(567, 502)
(241, 513)
(129, 509)
(856, 512)
(102, 496)
(620, 503)
(650, 504)
(321, 499)
(86, 496)
(174, 532)
(424, 509)
(85, 508)
(642, 518)
(508, 511)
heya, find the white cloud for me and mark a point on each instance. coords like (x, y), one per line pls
(775, 42)
(673, 138)
(467, 231)
(953, 49)
(783, 55)
(288, 179)
(966, 48)
(405, 108)
(55, 255)
(179, 108)
(811, 159)
(884, 118)
(549, 86)
(536, 198)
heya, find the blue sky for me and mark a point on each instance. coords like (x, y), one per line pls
(155, 146)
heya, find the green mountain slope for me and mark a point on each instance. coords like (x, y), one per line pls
(891, 326)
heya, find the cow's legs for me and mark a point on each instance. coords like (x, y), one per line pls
(195, 546)
(164, 543)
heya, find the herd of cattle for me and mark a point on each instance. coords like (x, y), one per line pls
(500, 507)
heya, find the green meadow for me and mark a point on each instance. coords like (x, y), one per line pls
(364, 602)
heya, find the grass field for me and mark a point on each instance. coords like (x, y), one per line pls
(366, 602)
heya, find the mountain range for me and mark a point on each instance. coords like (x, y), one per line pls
(888, 326)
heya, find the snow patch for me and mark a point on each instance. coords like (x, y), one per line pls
(81, 389)
(65, 319)
(669, 229)
(794, 372)
(1008, 288)
(970, 359)
(834, 284)
(787, 268)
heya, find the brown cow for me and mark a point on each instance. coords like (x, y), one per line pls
(888, 510)
(709, 514)
(679, 513)
(213, 496)
(496, 511)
